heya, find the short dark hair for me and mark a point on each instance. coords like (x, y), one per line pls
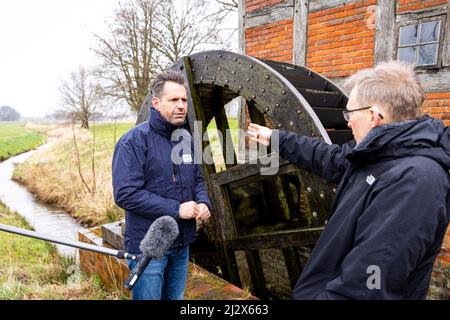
(157, 86)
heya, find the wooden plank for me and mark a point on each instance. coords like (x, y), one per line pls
(229, 264)
(293, 265)
(195, 113)
(421, 14)
(319, 5)
(385, 45)
(266, 15)
(331, 118)
(243, 171)
(325, 99)
(293, 209)
(255, 114)
(300, 32)
(446, 46)
(241, 15)
(282, 239)
(301, 82)
(256, 274)
(340, 136)
(112, 234)
(258, 178)
(435, 80)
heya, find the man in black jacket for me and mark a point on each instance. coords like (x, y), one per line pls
(392, 205)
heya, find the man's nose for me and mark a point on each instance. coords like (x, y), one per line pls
(180, 104)
(349, 124)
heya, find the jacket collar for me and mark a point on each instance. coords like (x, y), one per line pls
(425, 136)
(161, 125)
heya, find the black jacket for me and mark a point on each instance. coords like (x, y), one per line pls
(391, 211)
(148, 185)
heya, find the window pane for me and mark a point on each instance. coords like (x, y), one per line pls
(408, 35)
(407, 54)
(430, 31)
(428, 54)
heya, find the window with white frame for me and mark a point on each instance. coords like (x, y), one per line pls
(419, 42)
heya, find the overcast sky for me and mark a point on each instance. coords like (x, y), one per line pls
(41, 41)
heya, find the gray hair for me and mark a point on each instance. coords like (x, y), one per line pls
(157, 86)
(392, 84)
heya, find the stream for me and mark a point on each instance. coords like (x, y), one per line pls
(41, 217)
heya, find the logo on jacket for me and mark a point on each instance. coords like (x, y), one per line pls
(187, 158)
(370, 180)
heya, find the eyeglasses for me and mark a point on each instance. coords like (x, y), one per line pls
(346, 114)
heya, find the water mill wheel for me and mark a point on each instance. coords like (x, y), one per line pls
(263, 226)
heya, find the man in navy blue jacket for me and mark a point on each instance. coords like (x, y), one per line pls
(392, 206)
(148, 183)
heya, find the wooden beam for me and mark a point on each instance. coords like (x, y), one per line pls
(293, 265)
(446, 47)
(300, 32)
(195, 113)
(278, 240)
(435, 80)
(257, 274)
(421, 14)
(385, 45)
(247, 170)
(266, 15)
(319, 5)
(241, 16)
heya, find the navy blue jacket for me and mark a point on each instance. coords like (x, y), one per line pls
(391, 211)
(147, 185)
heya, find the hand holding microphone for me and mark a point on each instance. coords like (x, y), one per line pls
(159, 238)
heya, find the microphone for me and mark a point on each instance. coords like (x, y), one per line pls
(160, 236)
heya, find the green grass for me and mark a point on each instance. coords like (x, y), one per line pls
(105, 136)
(32, 269)
(16, 139)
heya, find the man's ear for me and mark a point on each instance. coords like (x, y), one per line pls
(376, 117)
(155, 103)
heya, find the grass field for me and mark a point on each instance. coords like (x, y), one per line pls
(32, 269)
(16, 139)
(80, 182)
(77, 177)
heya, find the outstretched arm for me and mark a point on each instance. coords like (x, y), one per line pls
(312, 154)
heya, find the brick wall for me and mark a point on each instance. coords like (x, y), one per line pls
(341, 40)
(111, 271)
(438, 105)
(271, 41)
(440, 279)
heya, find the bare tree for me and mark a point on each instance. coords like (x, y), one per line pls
(186, 26)
(231, 5)
(80, 95)
(146, 36)
(128, 51)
